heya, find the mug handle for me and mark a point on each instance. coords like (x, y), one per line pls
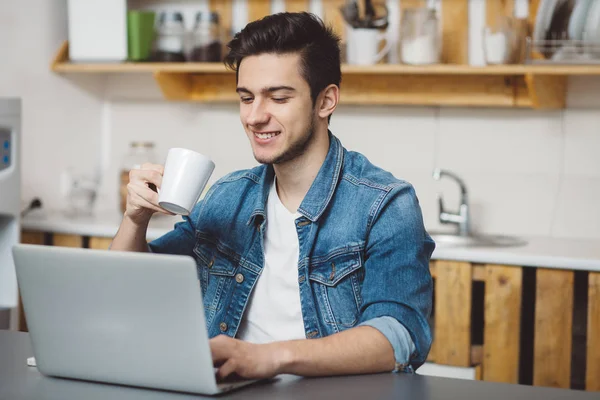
(386, 49)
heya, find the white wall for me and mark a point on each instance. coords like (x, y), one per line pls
(61, 120)
(529, 172)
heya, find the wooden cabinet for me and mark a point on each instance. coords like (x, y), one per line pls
(100, 243)
(527, 322)
(65, 240)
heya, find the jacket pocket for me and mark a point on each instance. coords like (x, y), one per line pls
(216, 271)
(336, 282)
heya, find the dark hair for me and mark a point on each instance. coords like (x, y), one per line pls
(284, 33)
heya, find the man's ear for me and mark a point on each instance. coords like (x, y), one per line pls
(328, 101)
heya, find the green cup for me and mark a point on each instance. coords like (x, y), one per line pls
(140, 34)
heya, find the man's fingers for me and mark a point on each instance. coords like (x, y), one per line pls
(150, 197)
(142, 202)
(146, 176)
(142, 190)
(227, 369)
(221, 348)
(154, 167)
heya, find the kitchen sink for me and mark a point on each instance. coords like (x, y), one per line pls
(463, 236)
(445, 239)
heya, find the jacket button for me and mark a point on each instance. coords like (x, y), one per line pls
(211, 263)
(239, 278)
(223, 326)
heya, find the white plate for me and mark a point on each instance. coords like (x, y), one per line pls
(595, 28)
(591, 32)
(543, 19)
(578, 19)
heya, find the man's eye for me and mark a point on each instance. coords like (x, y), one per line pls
(280, 99)
(246, 100)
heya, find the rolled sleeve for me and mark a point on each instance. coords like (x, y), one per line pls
(398, 337)
(397, 281)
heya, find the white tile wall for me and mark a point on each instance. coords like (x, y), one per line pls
(578, 213)
(501, 141)
(582, 142)
(395, 138)
(522, 203)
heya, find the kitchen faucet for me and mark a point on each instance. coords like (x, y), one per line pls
(461, 219)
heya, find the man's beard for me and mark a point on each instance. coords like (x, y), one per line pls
(297, 148)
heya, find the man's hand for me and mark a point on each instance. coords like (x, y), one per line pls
(248, 360)
(142, 199)
(142, 202)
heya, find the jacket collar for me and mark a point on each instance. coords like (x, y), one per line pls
(321, 191)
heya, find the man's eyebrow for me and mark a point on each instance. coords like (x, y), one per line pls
(270, 89)
(278, 88)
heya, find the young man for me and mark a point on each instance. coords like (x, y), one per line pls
(315, 262)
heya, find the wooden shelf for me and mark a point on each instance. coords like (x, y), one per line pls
(453, 83)
(62, 65)
(130, 67)
(382, 69)
(524, 86)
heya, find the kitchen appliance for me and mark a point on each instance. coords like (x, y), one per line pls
(10, 198)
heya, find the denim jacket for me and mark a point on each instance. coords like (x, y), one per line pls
(364, 252)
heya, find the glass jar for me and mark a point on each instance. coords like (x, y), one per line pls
(169, 44)
(420, 40)
(139, 153)
(80, 191)
(500, 41)
(206, 38)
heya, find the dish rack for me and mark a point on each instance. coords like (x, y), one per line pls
(573, 52)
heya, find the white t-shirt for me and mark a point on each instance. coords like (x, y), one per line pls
(274, 312)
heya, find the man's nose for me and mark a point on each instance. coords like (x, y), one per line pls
(258, 113)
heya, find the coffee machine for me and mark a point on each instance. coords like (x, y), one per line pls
(10, 199)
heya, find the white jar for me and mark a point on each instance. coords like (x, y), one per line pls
(419, 40)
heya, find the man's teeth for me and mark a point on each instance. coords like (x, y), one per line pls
(266, 135)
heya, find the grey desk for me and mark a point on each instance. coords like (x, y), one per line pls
(18, 381)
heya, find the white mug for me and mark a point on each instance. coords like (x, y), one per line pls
(363, 44)
(185, 177)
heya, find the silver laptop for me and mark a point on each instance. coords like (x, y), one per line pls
(117, 317)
